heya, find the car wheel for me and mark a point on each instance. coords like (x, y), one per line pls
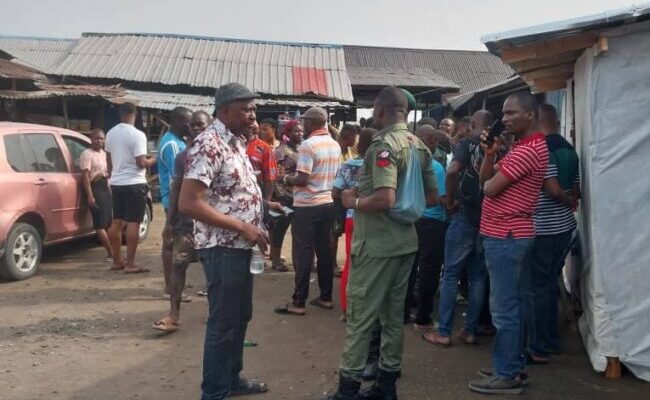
(143, 230)
(23, 251)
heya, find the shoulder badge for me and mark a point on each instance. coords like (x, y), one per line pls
(383, 158)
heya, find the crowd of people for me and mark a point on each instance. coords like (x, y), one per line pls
(492, 218)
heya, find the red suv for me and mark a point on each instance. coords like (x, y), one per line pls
(41, 201)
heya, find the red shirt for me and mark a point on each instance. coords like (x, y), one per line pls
(261, 157)
(511, 212)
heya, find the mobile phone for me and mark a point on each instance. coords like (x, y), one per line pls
(496, 129)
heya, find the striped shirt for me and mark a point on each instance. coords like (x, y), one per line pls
(320, 157)
(511, 211)
(552, 217)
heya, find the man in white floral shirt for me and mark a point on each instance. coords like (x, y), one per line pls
(220, 192)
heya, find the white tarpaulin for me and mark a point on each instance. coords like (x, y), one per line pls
(612, 115)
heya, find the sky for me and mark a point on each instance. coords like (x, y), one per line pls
(431, 24)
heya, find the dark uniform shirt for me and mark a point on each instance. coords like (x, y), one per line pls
(384, 166)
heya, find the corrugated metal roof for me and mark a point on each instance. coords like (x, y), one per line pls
(268, 68)
(405, 77)
(551, 30)
(11, 70)
(471, 70)
(168, 101)
(47, 91)
(512, 84)
(40, 53)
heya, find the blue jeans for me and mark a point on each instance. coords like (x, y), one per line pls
(504, 259)
(462, 245)
(546, 259)
(230, 298)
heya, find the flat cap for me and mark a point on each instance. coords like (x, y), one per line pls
(230, 92)
(315, 113)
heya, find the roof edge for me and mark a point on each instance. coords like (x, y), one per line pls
(626, 14)
(210, 38)
(413, 48)
(43, 38)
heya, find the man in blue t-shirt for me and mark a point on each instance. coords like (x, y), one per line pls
(431, 229)
(169, 146)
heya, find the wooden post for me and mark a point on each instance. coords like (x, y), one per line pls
(65, 114)
(613, 370)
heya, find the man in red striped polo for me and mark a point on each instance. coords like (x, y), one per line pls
(511, 188)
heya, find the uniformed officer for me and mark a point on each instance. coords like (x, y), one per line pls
(383, 250)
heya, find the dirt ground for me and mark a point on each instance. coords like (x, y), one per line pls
(78, 331)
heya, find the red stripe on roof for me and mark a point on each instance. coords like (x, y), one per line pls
(309, 80)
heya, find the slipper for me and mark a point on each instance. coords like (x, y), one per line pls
(247, 386)
(165, 325)
(202, 293)
(137, 270)
(435, 342)
(184, 298)
(284, 310)
(280, 267)
(536, 360)
(318, 303)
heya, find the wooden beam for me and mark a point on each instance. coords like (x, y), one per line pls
(548, 84)
(565, 70)
(548, 48)
(66, 122)
(531, 65)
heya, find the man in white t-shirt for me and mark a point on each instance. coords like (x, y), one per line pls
(126, 148)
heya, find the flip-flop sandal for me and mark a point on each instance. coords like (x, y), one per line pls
(280, 267)
(115, 267)
(202, 293)
(165, 325)
(317, 303)
(284, 310)
(435, 342)
(139, 270)
(247, 386)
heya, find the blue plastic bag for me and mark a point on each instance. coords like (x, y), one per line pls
(410, 201)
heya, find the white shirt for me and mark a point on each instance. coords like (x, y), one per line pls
(125, 142)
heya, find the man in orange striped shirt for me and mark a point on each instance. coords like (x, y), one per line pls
(319, 159)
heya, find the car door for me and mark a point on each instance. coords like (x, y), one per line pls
(19, 185)
(73, 147)
(56, 197)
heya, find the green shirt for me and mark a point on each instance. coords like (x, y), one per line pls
(384, 166)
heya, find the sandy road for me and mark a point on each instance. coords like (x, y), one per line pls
(78, 331)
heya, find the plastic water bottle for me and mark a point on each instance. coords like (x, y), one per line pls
(257, 261)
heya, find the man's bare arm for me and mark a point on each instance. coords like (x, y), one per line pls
(554, 190)
(144, 161)
(109, 164)
(382, 199)
(85, 182)
(268, 190)
(299, 179)
(174, 192)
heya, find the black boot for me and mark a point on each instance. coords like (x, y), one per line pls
(383, 388)
(348, 390)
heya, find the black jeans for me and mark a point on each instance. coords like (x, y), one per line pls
(431, 251)
(230, 298)
(280, 225)
(310, 230)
